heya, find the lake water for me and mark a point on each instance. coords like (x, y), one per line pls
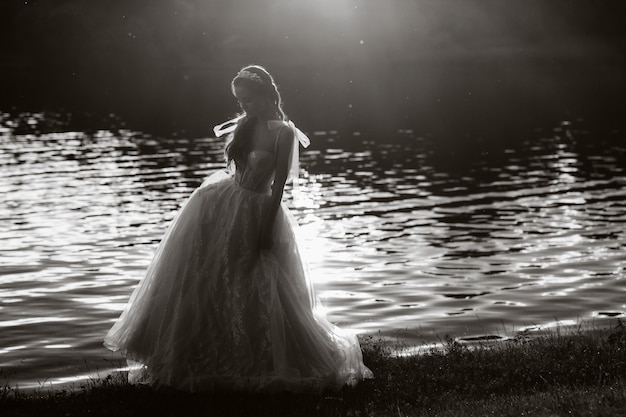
(408, 236)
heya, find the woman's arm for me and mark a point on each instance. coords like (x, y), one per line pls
(283, 156)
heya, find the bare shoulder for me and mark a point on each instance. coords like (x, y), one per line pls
(285, 137)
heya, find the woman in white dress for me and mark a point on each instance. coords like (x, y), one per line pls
(227, 302)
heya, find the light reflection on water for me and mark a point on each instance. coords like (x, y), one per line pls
(405, 236)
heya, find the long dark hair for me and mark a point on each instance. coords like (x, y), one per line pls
(259, 80)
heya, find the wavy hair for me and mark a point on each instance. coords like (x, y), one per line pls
(259, 80)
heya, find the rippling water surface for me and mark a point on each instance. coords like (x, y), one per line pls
(405, 235)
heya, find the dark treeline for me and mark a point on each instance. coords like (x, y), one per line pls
(446, 66)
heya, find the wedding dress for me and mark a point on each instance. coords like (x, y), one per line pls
(215, 312)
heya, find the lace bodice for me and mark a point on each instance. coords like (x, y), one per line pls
(258, 173)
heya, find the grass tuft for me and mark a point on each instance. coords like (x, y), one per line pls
(581, 374)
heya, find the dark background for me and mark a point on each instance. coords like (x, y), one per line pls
(452, 68)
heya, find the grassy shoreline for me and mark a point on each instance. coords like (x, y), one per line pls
(577, 374)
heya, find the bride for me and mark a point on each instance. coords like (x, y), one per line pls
(227, 301)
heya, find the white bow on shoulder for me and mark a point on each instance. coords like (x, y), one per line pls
(300, 137)
(226, 127)
(230, 126)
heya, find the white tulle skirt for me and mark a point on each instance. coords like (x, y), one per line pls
(215, 312)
